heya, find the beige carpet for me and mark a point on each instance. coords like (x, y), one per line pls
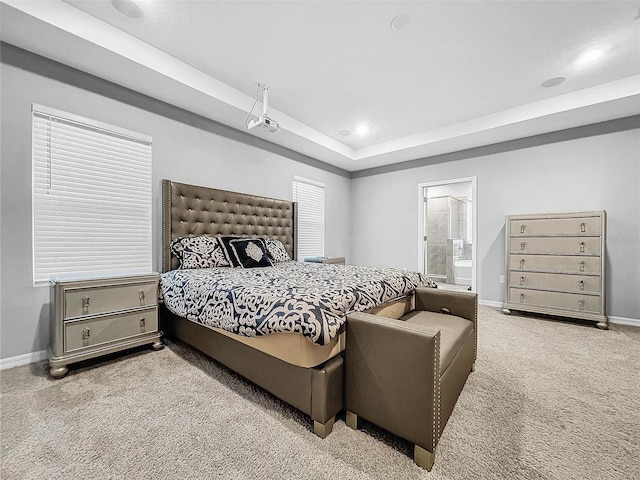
(548, 400)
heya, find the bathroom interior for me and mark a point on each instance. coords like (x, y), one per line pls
(448, 235)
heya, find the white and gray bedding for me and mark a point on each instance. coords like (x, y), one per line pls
(307, 298)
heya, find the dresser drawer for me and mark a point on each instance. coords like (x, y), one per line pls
(557, 226)
(554, 263)
(557, 282)
(556, 245)
(95, 331)
(104, 299)
(564, 301)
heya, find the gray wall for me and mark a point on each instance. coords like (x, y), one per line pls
(202, 155)
(595, 173)
(372, 220)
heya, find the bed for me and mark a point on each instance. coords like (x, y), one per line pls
(249, 327)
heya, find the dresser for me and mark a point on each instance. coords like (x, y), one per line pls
(556, 265)
(91, 317)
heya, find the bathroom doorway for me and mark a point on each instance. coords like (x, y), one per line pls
(447, 232)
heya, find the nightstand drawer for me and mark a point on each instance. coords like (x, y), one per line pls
(103, 299)
(95, 331)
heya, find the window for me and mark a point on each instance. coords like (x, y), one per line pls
(92, 197)
(310, 198)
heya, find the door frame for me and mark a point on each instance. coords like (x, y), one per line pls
(474, 222)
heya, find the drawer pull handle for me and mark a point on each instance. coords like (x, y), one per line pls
(583, 227)
(522, 280)
(582, 265)
(141, 297)
(522, 298)
(522, 228)
(142, 325)
(521, 264)
(523, 245)
(85, 305)
(86, 333)
(581, 284)
(581, 304)
(581, 247)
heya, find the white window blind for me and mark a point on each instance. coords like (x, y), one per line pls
(309, 196)
(92, 197)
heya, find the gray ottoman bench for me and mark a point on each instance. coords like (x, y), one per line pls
(405, 366)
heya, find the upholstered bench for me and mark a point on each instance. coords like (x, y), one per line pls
(405, 366)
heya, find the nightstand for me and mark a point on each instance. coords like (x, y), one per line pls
(333, 260)
(91, 317)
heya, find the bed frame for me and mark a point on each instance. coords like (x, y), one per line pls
(191, 210)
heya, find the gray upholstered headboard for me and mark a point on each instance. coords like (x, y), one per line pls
(189, 210)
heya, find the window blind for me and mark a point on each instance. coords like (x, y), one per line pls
(309, 196)
(92, 197)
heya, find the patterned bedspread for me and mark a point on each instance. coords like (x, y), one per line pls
(309, 298)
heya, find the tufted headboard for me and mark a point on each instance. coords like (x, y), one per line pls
(189, 210)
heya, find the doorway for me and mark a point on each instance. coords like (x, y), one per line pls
(447, 232)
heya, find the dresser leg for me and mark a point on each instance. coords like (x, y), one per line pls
(603, 325)
(506, 311)
(58, 372)
(158, 345)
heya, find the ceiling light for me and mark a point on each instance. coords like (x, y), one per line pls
(589, 56)
(129, 8)
(362, 129)
(400, 21)
(344, 133)
(552, 82)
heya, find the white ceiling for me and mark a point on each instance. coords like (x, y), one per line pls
(460, 75)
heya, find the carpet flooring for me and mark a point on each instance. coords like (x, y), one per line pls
(548, 400)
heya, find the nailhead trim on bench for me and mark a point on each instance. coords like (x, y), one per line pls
(436, 393)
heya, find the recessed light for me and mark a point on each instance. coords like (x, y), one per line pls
(552, 82)
(344, 133)
(362, 129)
(129, 8)
(400, 21)
(589, 56)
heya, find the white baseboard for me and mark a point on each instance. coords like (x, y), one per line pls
(634, 322)
(23, 359)
(490, 303)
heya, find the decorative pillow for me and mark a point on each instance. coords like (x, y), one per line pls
(246, 252)
(226, 248)
(199, 252)
(429, 283)
(276, 250)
